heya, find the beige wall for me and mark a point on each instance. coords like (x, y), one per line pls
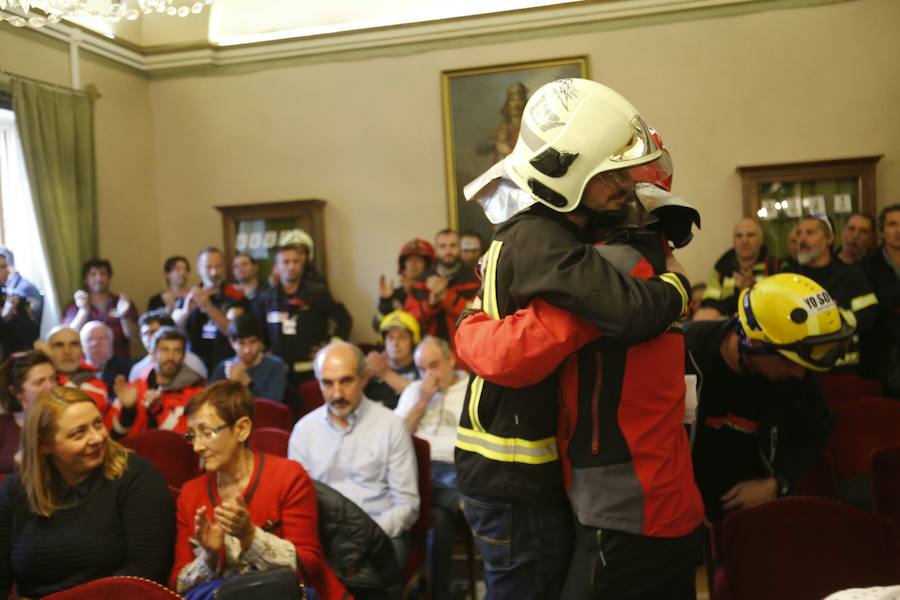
(366, 135)
(129, 228)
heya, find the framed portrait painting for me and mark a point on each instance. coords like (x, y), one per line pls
(482, 110)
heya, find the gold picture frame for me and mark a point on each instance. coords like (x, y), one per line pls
(482, 110)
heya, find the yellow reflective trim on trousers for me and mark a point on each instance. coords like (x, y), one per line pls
(864, 301)
(672, 279)
(502, 449)
(474, 399)
(490, 280)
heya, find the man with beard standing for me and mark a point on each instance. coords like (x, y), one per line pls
(847, 284)
(439, 297)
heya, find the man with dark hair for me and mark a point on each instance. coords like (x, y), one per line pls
(264, 374)
(617, 444)
(299, 311)
(157, 401)
(97, 303)
(149, 323)
(470, 248)
(23, 307)
(204, 314)
(442, 293)
(858, 238)
(846, 283)
(176, 269)
(881, 348)
(245, 272)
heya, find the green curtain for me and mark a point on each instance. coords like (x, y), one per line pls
(57, 132)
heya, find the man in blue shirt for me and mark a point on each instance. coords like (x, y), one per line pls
(359, 447)
(265, 374)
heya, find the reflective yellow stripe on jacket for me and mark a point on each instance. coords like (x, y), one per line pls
(476, 439)
(504, 449)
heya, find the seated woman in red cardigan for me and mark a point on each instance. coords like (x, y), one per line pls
(249, 511)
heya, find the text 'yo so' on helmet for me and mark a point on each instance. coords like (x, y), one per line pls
(418, 247)
(796, 317)
(571, 130)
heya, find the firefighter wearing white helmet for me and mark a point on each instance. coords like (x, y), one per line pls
(762, 419)
(577, 142)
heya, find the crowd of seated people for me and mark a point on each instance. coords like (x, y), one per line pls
(70, 396)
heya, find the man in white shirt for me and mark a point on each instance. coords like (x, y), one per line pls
(359, 447)
(431, 408)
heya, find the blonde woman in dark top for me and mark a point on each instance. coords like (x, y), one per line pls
(80, 507)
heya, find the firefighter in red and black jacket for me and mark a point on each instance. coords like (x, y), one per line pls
(623, 449)
(441, 294)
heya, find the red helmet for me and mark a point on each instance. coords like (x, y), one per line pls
(659, 172)
(419, 247)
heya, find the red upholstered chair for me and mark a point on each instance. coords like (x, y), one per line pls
(885, 471)
(417, 560)
(804, 548)
(268, 413)
(271, 440)
(116, 588)
(841, 388)
(311, 396)
(818, 481)
(168, 451)
(860, 428)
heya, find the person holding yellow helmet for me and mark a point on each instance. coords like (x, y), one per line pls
(392, 370)
(762, 419)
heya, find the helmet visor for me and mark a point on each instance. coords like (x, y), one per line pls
(639, 146)
(822, 351)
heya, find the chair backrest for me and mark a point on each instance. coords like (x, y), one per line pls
(818, 481)
(311, 396)
(419, 531)
(886, 482)
(271, 440)
(169, 454)
(805, 548)
(842, 388)
(267, 413)
(860, 428)
(114, 588)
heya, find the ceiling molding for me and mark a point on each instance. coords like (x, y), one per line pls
(180, 60)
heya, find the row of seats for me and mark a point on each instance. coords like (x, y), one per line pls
(177, 463)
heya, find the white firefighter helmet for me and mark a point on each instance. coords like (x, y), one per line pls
(571, 130)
